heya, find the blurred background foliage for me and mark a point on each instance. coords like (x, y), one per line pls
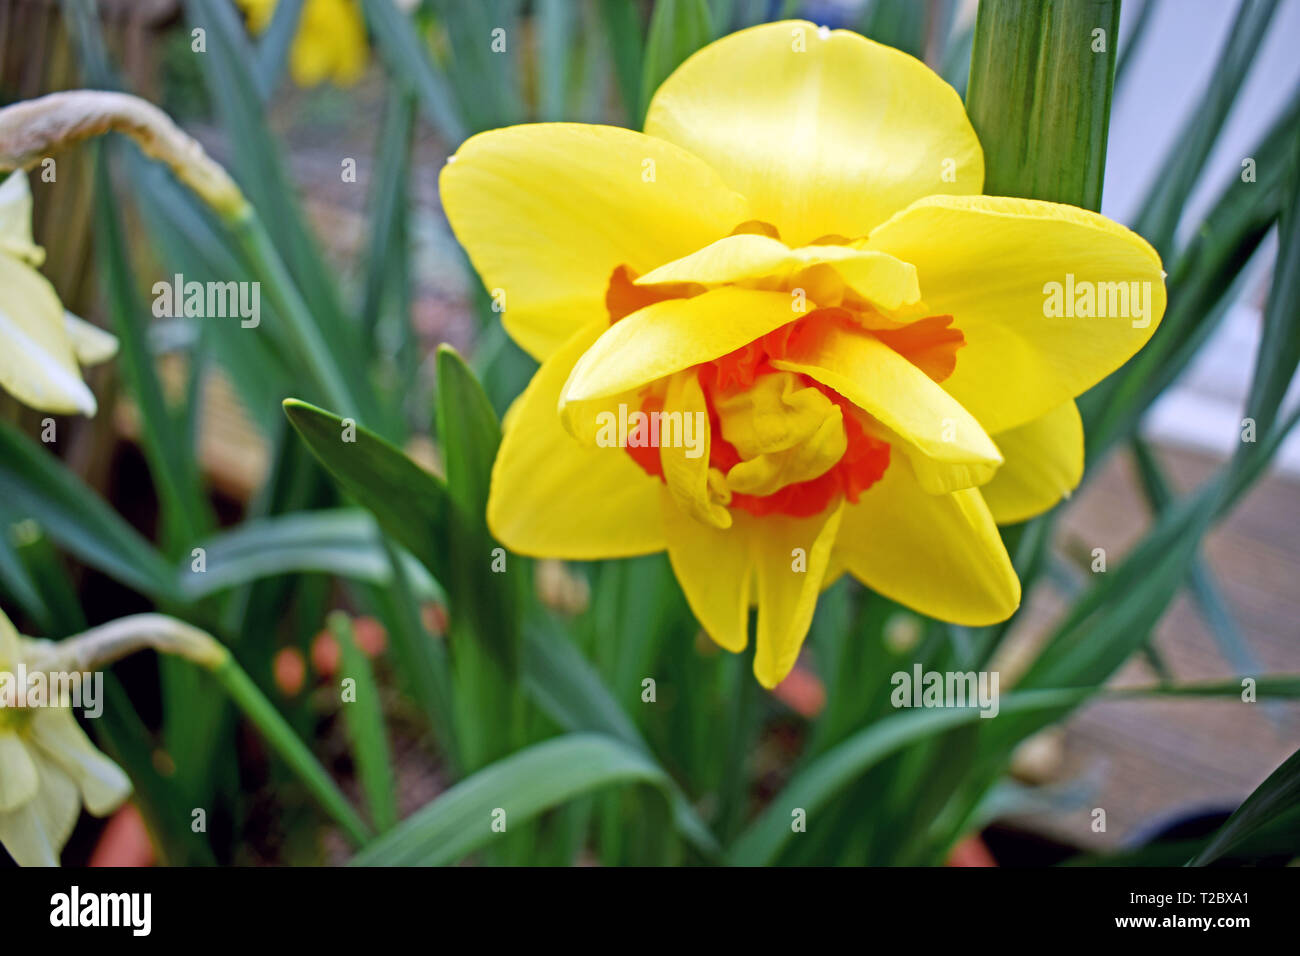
(524, 689)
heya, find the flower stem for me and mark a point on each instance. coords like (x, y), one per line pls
(101, 646)
(1041, 76)
(288, 303)
(291, 749)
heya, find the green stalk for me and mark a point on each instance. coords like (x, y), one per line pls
(96, 648)
(365, 722)
(291, 749)
(1041, 77)
(288, 303)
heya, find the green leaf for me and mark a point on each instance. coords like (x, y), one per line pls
(17, 583)
(479, 69)
(35, 484)
(1181, 167)
(343, 542)
(273, 51)
(557, 23)
(160, 799)
(364, 717)
(897, 23)
(1213, 604)
(1206, 277)
(1039, 96)
(1130, 44)
(411, 505)
(186, 511)
(1278, 839)
(485, 602)
(1277, 796)
(408, 61)
(276, 239)
(421, 657)
(566, 686)
(624, 31)
(522, 785)
(289, 746)
(50, 576)
(677, 29)
(388, 259)
(817, 783)
(189, 241)
(1279, 346)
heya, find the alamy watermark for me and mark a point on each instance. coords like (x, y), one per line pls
(919, 688)
(638, 429)
(133, 911)
(82, 690)
(179, 299)
(1085, 299)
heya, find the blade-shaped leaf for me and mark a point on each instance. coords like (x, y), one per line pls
(343, 542)
(408, 60)
(677, 29)
(1181, 168)
(35, 485)
(364, 717)
(1277, 796)
(485, 600)
(1039, 97)
(412, 506)
(521, 786)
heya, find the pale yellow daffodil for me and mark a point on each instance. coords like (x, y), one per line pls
(49, 768)
(330, 43)
(42, 346)
(795, 252)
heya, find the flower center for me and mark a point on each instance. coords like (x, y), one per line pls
(781, 442)
(785, 443)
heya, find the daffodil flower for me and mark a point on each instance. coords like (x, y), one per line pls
(48, 767)
(795, 252)
(41, 345)
(330, 43)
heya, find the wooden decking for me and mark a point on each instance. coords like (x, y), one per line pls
(1147, 761)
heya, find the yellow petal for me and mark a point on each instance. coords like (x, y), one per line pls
(1044, 463)
(18, 780)
(16, 220)
(34, 833)
(102, 783)
(667, 337)
(787, 596)
(547, 212)
(715, 567)
(686, 466)
(826, 133)
(988, 261)
(940, 555)
(309, 59)
(785, 431)
(37, 364)
(91, 344)
(553, 497)
(880, 279)
(10, 643)
(950, 447)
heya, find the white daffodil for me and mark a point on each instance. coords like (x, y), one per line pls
(48, 767)
(41, 345)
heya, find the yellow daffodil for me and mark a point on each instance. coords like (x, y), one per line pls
(48, 766)
(795, 254)
(40, 343)
(330, 43)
